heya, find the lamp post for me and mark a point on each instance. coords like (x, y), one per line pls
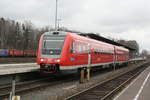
(56, 16)
(58, 23)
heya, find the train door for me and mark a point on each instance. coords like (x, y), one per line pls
(89, 55)
(79, 53)
(114, 58)
(82, 52)
(72, 56)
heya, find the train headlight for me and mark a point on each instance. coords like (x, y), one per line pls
(42, 59)
(57, 60)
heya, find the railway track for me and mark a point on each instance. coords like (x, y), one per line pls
(26, 86)
(108, 89)
(34, 84)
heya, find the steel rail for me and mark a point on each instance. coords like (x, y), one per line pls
(104, 93)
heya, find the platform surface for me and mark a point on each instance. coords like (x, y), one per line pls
(6, 69)
(138, 89)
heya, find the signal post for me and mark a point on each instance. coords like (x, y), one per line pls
(84, 74)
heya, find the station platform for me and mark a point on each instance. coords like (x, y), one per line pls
(6, 69)
(138, 89)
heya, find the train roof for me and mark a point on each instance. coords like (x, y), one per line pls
(56, 33)
(100, 38)
(104, 44)
(90, 35)
(121, 48)
(92, 40)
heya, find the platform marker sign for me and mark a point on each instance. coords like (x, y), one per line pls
(16, 98)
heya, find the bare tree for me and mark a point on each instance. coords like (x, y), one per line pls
(144, 53)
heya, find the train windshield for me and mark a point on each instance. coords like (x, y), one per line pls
(52, 45)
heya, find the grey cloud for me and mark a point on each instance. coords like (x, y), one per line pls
(102, 16)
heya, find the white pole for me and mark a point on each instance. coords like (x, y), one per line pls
(56, 17)
(13, 85)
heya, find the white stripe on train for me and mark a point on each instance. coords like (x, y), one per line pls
(82, 66)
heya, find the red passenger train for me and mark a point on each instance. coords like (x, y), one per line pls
(61, 51)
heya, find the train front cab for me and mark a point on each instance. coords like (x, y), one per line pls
(49, 51)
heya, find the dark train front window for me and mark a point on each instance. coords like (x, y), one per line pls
(55, 44)
(52, 45)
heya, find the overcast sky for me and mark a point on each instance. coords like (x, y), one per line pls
(125, 19)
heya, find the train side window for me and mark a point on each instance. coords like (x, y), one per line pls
(84, 49)
(80, 48)
(72, 50)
